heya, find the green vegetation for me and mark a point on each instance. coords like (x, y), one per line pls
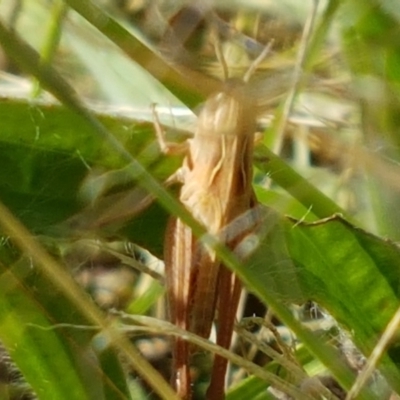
(77, 168)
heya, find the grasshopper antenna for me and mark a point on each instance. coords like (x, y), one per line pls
(220, 55)
(254, 65)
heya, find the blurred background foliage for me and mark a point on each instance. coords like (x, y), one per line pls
(77, 82)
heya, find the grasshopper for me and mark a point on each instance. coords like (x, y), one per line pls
(216, 178)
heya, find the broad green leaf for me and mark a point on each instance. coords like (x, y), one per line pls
(349, 272)
(51, 160)
(355, 276)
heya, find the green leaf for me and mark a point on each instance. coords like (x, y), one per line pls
(54, 361)
(370, 30)
(349, 272)
(51, 161)
(355, 276)
(187, 85)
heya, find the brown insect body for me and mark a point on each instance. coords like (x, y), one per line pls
(216, 176)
